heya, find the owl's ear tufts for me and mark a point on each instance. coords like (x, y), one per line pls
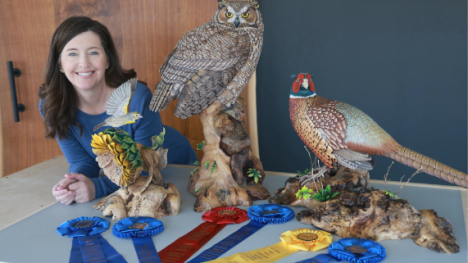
(222, 3)
(254, 4)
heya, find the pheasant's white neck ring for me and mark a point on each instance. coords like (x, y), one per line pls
(292, 96)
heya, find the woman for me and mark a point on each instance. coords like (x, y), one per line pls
(82, 71)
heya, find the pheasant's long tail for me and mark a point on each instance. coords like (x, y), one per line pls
(429, 165)
(160, 96)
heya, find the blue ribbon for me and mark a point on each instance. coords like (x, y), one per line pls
(261, 215)
(352, 250)
(83, 226)
(88, 245)
(140, 230)
(270, 213)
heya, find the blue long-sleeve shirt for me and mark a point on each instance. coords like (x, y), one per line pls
(78, 151)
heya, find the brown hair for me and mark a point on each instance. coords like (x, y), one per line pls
(59, 97)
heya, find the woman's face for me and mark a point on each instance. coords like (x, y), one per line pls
(84, 62)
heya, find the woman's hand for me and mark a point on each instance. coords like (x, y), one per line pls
(82, 187)
(61, 192)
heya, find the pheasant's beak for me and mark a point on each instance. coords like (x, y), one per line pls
(305, 83)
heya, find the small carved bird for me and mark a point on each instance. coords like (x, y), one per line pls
(118, 106)
(339, 133)
(213, 62)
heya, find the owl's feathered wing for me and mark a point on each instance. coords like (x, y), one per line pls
(119, 101)
(201, 66)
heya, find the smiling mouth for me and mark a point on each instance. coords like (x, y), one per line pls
(85, 73)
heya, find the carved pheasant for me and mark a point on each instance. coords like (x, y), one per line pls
(339, 133)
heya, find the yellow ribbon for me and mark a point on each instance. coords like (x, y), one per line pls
(307, 239)
(292, 241)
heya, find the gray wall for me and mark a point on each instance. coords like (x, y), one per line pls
(404, 63)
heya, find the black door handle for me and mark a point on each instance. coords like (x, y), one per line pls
(12, 73)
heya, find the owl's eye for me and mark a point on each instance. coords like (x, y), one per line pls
(245, 15)
(229, 14)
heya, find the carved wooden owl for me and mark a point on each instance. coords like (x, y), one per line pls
(212, 62)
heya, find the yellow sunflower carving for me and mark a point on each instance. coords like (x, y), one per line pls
(125, 154)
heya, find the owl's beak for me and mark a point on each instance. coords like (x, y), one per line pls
(237, 22)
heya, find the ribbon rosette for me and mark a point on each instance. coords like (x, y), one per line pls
(141, 227)
(140, 230)
(225, 215)
(271, 213)
(307, 239)
(83, 226)
(357, 250)
(88, 245)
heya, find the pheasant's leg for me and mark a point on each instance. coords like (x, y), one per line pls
(314, 175)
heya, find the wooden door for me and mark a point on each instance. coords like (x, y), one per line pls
(26, 27)
(144, 31)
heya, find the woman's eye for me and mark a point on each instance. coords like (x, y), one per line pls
(229, 14)
(93, 53)
(245, 15)
(72, 54)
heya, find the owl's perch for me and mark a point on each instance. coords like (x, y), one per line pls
(226, 143)
(147, 196)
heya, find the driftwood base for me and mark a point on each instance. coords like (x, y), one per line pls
(374, 215)
(344, 178)
(222, 178)
(361, 212)
(155, 202)
(147, 196)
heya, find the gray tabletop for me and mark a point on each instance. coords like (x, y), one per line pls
(34, 239)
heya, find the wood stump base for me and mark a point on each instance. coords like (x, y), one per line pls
(222, 178)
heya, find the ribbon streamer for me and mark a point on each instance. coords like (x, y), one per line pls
(261, 215)
(88, 245)
(140, 230)
(292, 241)
(217, 218)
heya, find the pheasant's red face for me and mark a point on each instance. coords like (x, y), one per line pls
(297, 83)
(305, 80)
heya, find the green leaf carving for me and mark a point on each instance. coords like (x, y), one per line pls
(200, 145)
(254, 173)
(214, 166)
(324, 194)
(304, 193)
(158, 140)
(303, 173)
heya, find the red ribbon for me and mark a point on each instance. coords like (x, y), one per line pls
(217, 218)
